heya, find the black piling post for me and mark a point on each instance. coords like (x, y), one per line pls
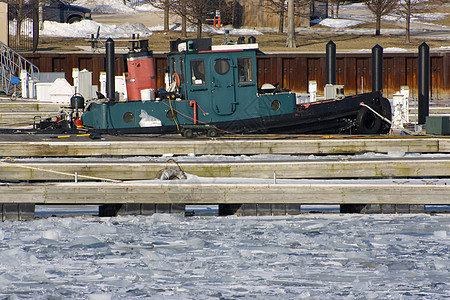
(331, 62)
(377, 68)
(110, 70)
(424, 82)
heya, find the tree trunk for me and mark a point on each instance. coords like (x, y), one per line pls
(290, 42)
(337, 9)
(408, 22)
(166, 16)
(19, 20)
(199, 29)
(184, 21)
(281, 24)
(332, 9)
(378, 26)
(41, 16)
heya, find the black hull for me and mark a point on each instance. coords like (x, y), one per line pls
(326, 117)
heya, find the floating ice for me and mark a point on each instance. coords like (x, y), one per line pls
(171, 257)
(51, 235)
(88, 241)
(99, 297)
(99, 229)
(396, 153)
(196, 243)
(16, 258)
(441, 234)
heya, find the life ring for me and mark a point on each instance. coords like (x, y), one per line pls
(367, 122)
(176, 78)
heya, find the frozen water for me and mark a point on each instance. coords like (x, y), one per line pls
(172, 257)
(442, 234)
(51, 235)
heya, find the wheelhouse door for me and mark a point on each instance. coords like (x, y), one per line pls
(223, 96)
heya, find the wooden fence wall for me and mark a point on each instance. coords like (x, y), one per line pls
(354, 70)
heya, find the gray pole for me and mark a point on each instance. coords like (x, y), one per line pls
(424, 82)
(110, 70)
(377, 68)
(331, 62)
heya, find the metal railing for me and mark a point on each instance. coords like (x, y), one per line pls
(11, 64)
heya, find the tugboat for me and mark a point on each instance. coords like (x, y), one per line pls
(215, 89)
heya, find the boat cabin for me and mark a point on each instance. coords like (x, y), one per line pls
(217, 87)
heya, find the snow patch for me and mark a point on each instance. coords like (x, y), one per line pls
(85, 28)
(337, 23)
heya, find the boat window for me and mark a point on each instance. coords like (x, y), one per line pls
(198, 72)
(245, 70)
(222, 66)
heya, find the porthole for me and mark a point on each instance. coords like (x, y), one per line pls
(171, 115)
(276, 105)
(222, 66)
(128, 117)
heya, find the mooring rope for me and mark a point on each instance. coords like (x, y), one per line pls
(389, 121)
(184, 115)
(15, 165)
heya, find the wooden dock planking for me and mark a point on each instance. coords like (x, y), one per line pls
(220, 193)
(379, 168)
(7, 105)
(15, 119)
(221, 146)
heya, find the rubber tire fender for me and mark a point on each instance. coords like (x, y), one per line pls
(367, 122)
(386, 111)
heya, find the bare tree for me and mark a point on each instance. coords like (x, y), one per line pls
(408, 9)
(165, 6)
(194, 11)
(279, 8)
(334, 7)
(302, 9)
(380, 8)
(331, 7)
(19, 10)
